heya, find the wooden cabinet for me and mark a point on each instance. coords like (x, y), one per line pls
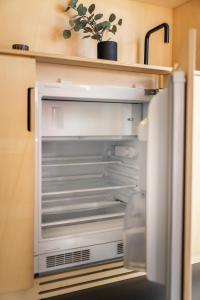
(17, 174)
(196, 171)
(188, 61)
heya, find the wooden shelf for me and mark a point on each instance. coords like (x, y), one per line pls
(89, 63)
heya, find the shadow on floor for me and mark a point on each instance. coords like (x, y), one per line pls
(132, 289)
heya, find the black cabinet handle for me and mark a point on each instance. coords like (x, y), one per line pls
(29, 109)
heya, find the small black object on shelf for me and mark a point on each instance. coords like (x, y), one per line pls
(20, 47)
(107, 50)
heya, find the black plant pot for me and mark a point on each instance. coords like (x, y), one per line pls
(107, 50)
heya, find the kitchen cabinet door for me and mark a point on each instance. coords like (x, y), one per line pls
(17, 74)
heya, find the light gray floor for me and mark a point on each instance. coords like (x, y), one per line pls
(132, 289)
(196, 282)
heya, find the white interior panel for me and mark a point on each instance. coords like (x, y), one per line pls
(75, 118)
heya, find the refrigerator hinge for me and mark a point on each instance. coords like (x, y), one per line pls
(151, 92)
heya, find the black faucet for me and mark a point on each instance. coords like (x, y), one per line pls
(148, 34)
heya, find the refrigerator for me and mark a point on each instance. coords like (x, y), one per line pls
(110, 178)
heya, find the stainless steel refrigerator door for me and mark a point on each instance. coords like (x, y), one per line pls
(162, 234)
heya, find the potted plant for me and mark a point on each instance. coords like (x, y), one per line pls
(93, 26)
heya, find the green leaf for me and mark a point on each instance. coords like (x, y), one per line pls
(77, 20)
(90, 17)
(102, 26)
(84, 10)
(114, 29)
(80, 6)
(80, 22)
(81, 10)
(98, 16)
(87, 29)
(91, 8)
(112, 18)
(105, 25)
(77, 27)
(73, 3)
(66, 34)
(96, 36)
(83, 23)
(99, 27)
(120, 22)
(86, 36)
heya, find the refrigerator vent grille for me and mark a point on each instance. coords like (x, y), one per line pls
(120, 248)
(67, 258)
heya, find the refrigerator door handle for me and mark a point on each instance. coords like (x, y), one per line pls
(29, 110)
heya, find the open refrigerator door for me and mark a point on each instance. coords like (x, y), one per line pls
(153, 235)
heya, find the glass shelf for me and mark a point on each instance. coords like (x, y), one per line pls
(80, 161)
(64, 190)
(81, 215)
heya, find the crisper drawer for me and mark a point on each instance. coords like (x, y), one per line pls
(76, 118)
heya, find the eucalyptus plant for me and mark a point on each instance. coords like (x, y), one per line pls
(89, 22)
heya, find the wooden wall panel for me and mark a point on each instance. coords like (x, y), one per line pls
(16, 176)
(196, 172)
(164, 3)
(40, 25)
(82, 75)
(185, 17)
(189, 66)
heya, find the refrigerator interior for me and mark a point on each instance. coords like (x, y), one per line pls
(87, 180)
